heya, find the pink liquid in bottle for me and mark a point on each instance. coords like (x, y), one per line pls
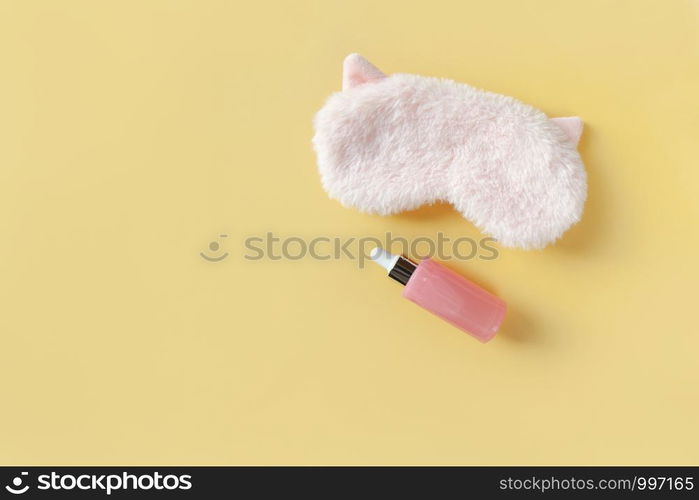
(446, 294)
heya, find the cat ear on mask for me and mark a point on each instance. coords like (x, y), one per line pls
(356, 71)
(572, 126)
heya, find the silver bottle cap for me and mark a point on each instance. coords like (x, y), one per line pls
(399, 268)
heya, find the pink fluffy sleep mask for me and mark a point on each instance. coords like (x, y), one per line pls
(386, 144)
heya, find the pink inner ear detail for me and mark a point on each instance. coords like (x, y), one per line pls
(356, 70)
(571, 125)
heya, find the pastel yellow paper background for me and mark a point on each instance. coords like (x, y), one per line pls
(132, 133)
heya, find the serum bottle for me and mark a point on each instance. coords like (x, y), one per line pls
(445, 293)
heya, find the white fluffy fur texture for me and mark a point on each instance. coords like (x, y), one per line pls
(386, 144)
